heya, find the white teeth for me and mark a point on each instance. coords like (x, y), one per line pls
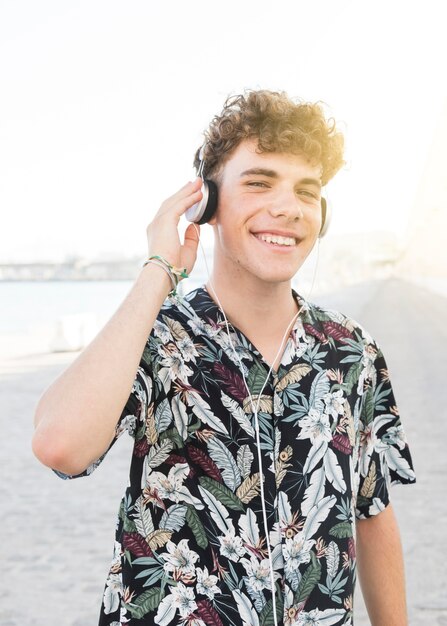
(282, 241)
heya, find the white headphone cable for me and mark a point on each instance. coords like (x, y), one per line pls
(255, 411)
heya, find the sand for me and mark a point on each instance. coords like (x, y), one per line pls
(57, 536)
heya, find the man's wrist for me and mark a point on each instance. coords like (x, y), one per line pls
(175, 273)
(158, 278)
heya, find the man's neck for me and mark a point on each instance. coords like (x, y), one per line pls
(254, 306)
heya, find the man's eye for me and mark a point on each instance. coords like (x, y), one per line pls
(257, 183)
(308, 194)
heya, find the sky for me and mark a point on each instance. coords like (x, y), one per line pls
(104, 103)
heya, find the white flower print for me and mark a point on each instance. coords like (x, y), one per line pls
(184, 599)
(181, 598)
(315, 426)
(171, 486)
(179, 557)
(117, 553)
(296, 345)
(114, 583)
(175, 365)
(197, 326)
(187, 349)
(376, 507)
(395, 436)
(368, 370)
(296, 551)
(206, 583)
(334, 403)
(129, 424)
(241, 351)
(112, 593)
(258, 573)
(162, 331)
(231, 546)
(200, 327)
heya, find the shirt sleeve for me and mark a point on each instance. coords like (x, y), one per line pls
(132, 418)
(384, 455)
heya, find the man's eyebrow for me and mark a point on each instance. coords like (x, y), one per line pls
(311, 181)
(260, 171)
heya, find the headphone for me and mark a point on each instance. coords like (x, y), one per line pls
(203, 211)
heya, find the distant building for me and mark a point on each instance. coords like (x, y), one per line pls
(78, 269)
(343, 260)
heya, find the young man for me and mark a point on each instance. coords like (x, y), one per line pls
(266, 431)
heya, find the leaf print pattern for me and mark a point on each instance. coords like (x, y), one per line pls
(191, 545)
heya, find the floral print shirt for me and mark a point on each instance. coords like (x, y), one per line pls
(191, 546)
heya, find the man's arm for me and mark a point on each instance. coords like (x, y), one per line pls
(380, 569)
(77, 415)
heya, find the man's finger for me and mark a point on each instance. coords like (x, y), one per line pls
(182, 200)
(192, 235)
(189, 252)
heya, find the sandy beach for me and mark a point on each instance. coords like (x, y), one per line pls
(58, 535)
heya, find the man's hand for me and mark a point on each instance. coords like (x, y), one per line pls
(381, 569)
(162, 233)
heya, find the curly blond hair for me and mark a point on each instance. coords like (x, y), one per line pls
(279, 124)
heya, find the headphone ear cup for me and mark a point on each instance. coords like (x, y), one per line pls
(203, 211)
(326, 214)
(209, 201)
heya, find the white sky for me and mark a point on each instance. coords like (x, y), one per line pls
(103, 105)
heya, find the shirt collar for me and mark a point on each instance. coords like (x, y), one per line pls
(202, 305)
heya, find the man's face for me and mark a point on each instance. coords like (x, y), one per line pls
(269, 214)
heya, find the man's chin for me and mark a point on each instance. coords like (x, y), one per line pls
(281, 274)
(276, 278)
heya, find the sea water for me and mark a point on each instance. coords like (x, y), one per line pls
(56, 316)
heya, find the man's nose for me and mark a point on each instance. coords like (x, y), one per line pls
(287, 204)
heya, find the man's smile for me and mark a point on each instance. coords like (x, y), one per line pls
(275, 239)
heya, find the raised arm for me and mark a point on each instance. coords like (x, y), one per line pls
(76, 416)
